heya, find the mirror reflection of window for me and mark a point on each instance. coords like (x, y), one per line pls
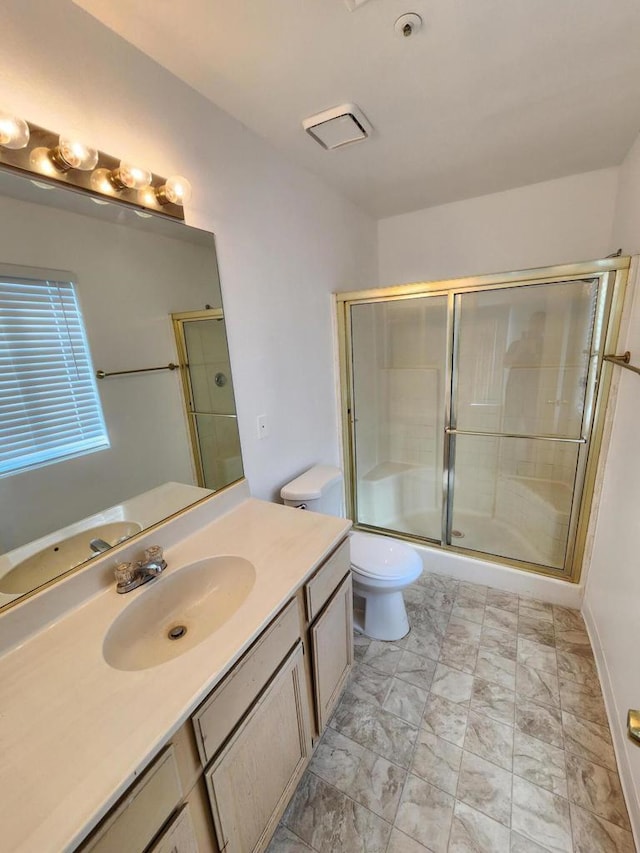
(49, 404)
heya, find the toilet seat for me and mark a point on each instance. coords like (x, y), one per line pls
(379, 558)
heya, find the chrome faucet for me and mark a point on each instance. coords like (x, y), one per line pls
(130, 576)
(99, 546)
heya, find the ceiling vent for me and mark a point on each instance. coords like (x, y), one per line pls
(338, 126)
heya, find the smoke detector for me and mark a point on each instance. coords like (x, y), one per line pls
(338, 126)
(407, 25)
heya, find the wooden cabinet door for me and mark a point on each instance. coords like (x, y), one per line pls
(179, 836)
(332, 646)
(253, 778)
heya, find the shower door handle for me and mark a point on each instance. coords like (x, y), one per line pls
(538, 437)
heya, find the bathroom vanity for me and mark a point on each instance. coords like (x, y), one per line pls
(198, 752)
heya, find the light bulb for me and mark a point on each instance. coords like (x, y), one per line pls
(40, 161)
(100, 181)
(72, 154)
(14, 132)
(130, 177)
(177, 190)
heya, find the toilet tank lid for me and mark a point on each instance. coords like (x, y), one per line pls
(312, 484)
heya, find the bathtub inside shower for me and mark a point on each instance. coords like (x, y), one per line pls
(523, 518)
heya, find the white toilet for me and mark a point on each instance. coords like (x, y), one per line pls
(381, 567)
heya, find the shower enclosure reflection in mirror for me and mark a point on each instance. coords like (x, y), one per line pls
(473, 409)
(110, 281)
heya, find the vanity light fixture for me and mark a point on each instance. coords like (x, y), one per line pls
(177, 190)
(14, 132)
(53, 159)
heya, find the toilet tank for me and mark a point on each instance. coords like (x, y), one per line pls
(319, 489)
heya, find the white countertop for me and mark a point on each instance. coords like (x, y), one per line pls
(74, 732)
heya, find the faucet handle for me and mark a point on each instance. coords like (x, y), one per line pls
(124, 573)
(153, 554)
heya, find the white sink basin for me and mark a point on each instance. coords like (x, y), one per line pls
(198, 598)
(58, 558)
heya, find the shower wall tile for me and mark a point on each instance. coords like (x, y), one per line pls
(539, 508)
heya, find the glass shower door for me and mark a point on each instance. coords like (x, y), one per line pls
(519, 420)
(399, 358)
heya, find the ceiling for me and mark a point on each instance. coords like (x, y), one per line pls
(491, 94)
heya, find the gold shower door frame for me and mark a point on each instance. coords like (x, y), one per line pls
(612, 275)
(178, 320)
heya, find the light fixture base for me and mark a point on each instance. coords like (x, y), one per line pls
(51, 170)
(55, 155)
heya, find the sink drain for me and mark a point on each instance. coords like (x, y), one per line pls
(177, 632)
(458, 534)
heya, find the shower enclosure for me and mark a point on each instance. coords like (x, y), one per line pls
(473, 409)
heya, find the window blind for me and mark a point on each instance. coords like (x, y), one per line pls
(49, 404)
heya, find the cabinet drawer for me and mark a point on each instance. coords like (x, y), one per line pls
(254, 776)
(179, 836)
(323, 584)
(214, 721)
(142, 811)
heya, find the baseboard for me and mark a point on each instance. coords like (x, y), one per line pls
(618, 735)
(506, 578)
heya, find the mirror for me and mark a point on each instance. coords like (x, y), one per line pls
(116, 290)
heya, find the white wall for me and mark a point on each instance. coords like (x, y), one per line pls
(554, 222)
(284, 240)
(612, 596)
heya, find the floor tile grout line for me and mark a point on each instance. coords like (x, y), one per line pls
(566, 771)
(511, 809)
(539, 739)
(366, 749)
(414, 749)
(351, 799)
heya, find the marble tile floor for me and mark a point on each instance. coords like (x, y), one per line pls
(482, 731)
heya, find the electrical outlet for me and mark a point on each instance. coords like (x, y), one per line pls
(263, 427)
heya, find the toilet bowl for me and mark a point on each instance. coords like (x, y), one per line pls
(381, 567)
